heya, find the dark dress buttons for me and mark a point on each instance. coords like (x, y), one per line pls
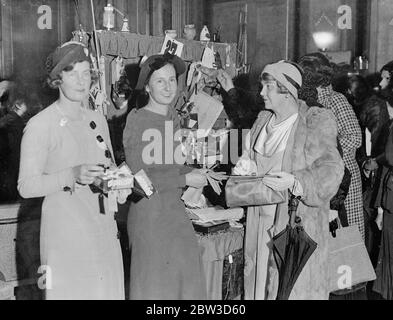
(67, 189)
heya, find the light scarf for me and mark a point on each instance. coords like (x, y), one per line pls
(274, 137)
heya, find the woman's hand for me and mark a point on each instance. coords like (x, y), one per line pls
(196, 178)
(122, 195)
(86, 173)
(333, 214)
(279, 181)
(225, 80)
(245, 167)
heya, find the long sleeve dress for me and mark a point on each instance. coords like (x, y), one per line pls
(311, 155)
(350, 138)
(80, 251)
(165, 257)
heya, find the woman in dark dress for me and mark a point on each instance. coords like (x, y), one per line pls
(165, 256)
(384, 199)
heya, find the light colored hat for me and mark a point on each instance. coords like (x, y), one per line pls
(287, 74)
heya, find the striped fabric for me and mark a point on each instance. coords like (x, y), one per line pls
(350, 137)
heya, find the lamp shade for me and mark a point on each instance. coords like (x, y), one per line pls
(323, 39)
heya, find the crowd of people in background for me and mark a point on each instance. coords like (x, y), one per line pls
(363, 118)
(17, 106)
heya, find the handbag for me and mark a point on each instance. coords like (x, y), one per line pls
(241, 191)
(349, 262)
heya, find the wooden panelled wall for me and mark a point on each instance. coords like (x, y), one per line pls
(23, 47)
(380, 33)
(268, 21)
(25, 44)
(6, 52)
(312, 18)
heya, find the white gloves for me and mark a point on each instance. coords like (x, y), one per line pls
(333, 214)
(245, 167)
(122, 195)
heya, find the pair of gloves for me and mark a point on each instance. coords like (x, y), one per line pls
(193, 197)
(278, 181)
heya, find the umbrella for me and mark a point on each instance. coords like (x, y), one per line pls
(291, 249)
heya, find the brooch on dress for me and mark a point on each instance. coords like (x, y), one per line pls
(63, 122)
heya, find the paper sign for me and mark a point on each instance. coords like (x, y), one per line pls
(208, 110)
(208, 59)
(172, 46)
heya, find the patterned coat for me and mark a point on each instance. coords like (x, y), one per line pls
(350, 138)
(311, 155)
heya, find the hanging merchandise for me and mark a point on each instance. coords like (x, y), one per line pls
(208, 110)
(98, 97)
(228, 56)
(118, 77)
(117, 68)
(119, 97)
(217, 60)
(97, 100)
(208, 58)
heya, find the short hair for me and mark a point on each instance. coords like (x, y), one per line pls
(54, 83)
(389, 68)
(318, 69)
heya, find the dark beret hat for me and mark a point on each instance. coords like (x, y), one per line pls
(65, 55)
(156, 62)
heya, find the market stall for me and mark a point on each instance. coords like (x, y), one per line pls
(222, 271)
(131, 47)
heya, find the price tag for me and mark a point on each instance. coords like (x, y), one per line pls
(172, 46)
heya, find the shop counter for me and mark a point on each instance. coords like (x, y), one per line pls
(222, 257)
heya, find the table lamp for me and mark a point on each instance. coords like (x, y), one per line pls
(109, 18)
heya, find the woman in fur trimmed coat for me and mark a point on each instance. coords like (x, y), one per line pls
(318, 73)
(297, 144)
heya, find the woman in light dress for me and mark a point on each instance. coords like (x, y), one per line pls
(60, 158)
